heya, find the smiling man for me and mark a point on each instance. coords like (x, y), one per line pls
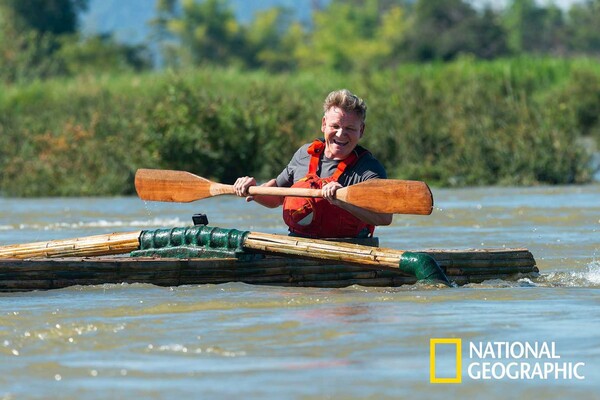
(328, 164)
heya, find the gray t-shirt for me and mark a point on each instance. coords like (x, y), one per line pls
(367, 167)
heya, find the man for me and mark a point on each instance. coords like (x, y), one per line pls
(328, 164)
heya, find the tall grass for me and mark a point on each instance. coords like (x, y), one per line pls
(507, 122)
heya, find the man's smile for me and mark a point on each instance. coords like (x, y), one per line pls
(339, 143)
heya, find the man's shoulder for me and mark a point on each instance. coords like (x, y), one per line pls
(302, 152)
(303, 148)
(369, 165)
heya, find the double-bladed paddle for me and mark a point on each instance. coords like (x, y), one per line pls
(378, 195)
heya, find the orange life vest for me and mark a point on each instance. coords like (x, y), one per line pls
(317, 217)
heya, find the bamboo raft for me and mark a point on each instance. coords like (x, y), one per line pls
(190, 256)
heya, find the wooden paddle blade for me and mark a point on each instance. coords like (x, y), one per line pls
(176, 186)
(389, 196)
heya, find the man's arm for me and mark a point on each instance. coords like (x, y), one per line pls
(370, 217)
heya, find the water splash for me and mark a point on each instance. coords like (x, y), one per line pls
(593, 273)
(588, 278)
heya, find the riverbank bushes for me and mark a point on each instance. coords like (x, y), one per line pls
(506, 122)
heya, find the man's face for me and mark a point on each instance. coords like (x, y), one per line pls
(342, 131)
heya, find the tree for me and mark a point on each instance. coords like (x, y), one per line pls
(485, 37)
(582, 26)
(101, 53)
(442, 30)
(205, 32)
(354, 35)
(39, 39)
(29, 36)
(271, 39)
(532, 28)
(46, 16)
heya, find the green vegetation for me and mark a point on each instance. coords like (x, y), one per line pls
(367, 35)
(509, 122)
(41, 38)
(457, 96)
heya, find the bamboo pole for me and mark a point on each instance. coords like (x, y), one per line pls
(114, 243)
(324, 250)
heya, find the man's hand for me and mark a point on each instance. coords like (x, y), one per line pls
(241, 186)
(329, 190)
(244, 183)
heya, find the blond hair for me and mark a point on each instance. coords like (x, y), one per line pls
(347, 101)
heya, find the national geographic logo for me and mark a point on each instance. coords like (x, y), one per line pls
(457, 373)
(499, 361)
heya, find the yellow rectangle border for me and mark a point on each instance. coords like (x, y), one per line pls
(432, 343)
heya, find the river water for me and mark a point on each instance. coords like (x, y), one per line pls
(242, 341)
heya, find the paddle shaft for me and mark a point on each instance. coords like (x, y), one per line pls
(282, 191)
(377, 195)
